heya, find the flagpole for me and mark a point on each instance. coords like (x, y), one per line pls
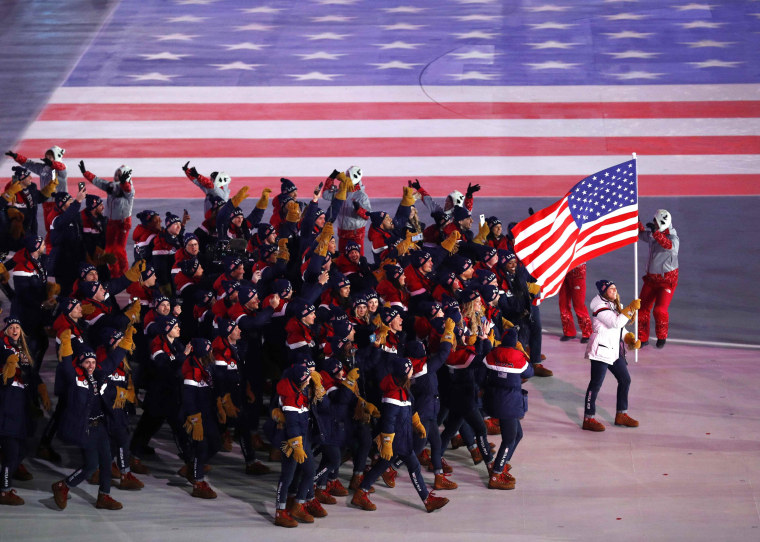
(636, 270)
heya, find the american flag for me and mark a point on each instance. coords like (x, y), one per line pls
(597, 215)
(523, 97)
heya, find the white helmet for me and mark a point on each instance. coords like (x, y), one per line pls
(457, 198)
(662, 219)
(220, 179)
(355, 174)
(57, 152)
(122, 169)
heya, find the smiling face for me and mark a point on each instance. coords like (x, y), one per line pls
(14, 332)
(611, 293)
(89, 365)
(192, 247)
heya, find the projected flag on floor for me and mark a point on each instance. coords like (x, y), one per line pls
(521, 97)
(597, 215)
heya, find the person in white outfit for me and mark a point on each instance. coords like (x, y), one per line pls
(606, 350)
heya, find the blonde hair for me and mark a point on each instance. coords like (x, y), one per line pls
(468, 311)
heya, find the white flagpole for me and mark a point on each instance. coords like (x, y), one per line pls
(636, 270)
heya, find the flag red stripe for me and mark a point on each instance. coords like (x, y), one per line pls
(512, 186)
(603, 250)
(414, 146)
(424, 110)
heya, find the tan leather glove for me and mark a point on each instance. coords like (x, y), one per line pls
(384, 443)
(345, 184)
(5, 275)
(282, 251)
(50, 188)
(534, 288)
(221, 414)
(10, 193)
(294, 447)
(419, 428)
(327, 232)
(9, 369)
(407, 199)
(194, 426)
(134, 273)
(294, 212)
(451, 242)
(632, 307)
(448, 332)
(631, 341)
(263, 202)
(133, 311)
(127, 342)
(65, 348)
(121, 398)
(238, 198)
(483, 231)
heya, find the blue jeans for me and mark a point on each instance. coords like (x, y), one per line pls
(96, 453)
(511, 435)
(619, 370)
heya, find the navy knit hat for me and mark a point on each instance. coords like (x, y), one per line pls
(387, 314)
(170, 219)
(393, 271)
(298, 373)
(160, 299)
(67, 304)
(165, 323)
(304, 309)
(237, 211)
(460, 213)
(492, 221)
(88, 288)
(488, 253)
(352, 245)
(287, 186)
(420, 257)
(415, 349)
(201, 346)
(358, 300)
(33, 243)
(460, 264)
(603, 285)
(20, 173)
(146, 215)
(189, 237)
(331, 366)
(84, 269)
(264, 230)
(60, 199)
(91, 201)
(203, 297)
(231, 263)
(225, 327)
(10, 320)
(468, 296)
(429, 309)
(339, 280)
(149, 272)
(230, 287)
(445, 277)
(246, 293)
(505, 256)
(370, 295)
(484, 276)
(282, 287)
(85, 353)
(111, 336)
(399, 367)
(377, 217)
(488, 293)
(265, 251)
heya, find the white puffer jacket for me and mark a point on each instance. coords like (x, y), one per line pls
(608, 325)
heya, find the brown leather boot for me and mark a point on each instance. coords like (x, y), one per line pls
(136, 466)
(457, 442)
(106, 502)
(336, 489)
(275, 454)
(299, 512)
(499, 481)
(129, 481)
(361, 499)
(22, 474)
(492, 426)
(434, 503)
(282, 518)
(356, 481)
(202, 490)
(424, 459)
(315, 509)
(186, 472)
(389, 477)
(9, 498)
(95, 478)
(257, 468)
(60, 494)
(115, 472)
(477, 457)
(621, 418)
(324, 497)
(540, 370)
(590, 424)
(227, 441)
(441, 482)
(258, 443)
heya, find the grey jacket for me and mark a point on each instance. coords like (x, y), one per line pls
(661, 260)
(46, 174)
(118, 204)
(347, 217)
